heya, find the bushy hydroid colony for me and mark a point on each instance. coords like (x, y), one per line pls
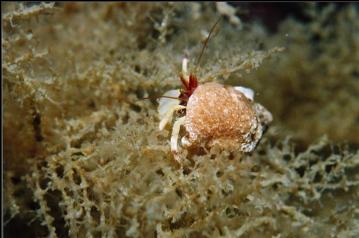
(83, 156)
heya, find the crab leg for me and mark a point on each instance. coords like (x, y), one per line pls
(185, 69)
(175, 132)
(168, 116)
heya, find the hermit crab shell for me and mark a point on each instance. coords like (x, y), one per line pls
(224, 116)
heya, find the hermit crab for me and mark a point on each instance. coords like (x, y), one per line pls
(212, 114)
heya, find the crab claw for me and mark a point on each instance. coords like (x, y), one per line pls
(167, 106)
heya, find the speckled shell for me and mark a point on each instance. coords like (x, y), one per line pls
(218, 114)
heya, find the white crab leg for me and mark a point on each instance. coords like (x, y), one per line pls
(175, 132)
(185, 68)
(168, 116)
(249, 93)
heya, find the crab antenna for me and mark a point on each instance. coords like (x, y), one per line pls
(206, 41)
(156, 97)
